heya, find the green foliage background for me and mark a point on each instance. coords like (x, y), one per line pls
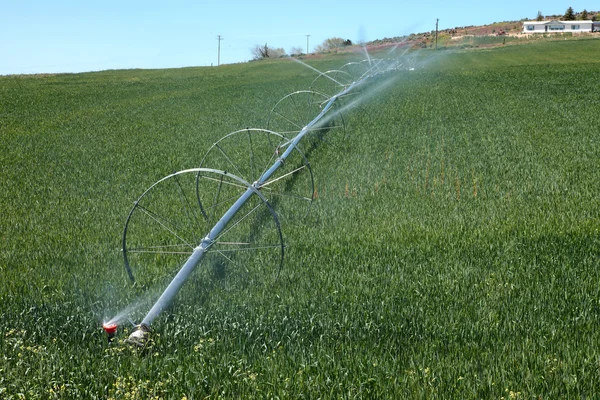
(453, 250)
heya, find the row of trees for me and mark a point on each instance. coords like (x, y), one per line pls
(332, 44)
(569, 15)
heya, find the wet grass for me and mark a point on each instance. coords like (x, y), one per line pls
(452, 251)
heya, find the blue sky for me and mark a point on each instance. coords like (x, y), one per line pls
(43, 36)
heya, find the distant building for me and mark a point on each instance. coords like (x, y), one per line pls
(556, 26)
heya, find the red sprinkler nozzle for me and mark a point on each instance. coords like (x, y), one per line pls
(110, 329)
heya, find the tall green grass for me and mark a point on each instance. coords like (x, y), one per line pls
(452, 251)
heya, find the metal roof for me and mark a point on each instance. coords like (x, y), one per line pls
(555, 21)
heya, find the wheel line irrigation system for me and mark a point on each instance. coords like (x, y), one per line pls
(217, 210)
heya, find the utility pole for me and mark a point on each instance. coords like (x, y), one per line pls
(219, 38)
(307, 36)
(436, 31)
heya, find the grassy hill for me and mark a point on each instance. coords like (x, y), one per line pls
(452, 251)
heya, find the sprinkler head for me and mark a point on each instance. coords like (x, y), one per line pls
(140, 335)
(110, 329)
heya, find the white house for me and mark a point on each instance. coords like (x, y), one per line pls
(555, 26)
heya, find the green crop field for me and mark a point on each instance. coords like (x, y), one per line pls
(453, 249)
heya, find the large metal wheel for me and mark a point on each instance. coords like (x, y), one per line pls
(249, 153)
(296, 110)
(355, 69)
(331, 82)
(171, 218)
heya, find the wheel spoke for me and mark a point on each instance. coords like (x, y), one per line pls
(192, 215)
(289, 195)
(236, 223)
(272, 246)
(291, 122)
(251, 155)
(163, 223)
(282, 176)
(268, 164)
(158, 251)
(237, 170)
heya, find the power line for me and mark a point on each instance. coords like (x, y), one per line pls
(219, 38)
(436, 31)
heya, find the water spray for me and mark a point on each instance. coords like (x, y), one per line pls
(254, 172)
